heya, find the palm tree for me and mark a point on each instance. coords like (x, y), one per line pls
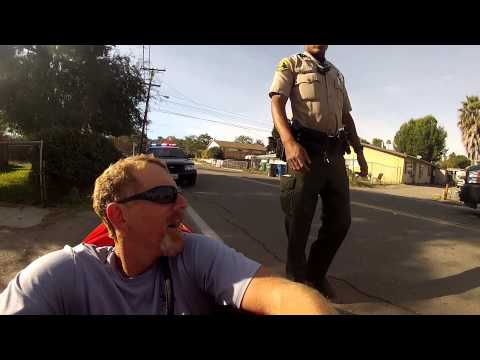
(469, 124)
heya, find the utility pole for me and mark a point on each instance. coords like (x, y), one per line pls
(144, 124)
(152, 71)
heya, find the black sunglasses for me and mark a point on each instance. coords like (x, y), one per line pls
(165, 194)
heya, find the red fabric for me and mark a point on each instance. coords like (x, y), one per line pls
(99, 235)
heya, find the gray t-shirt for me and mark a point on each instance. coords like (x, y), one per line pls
(85, 280)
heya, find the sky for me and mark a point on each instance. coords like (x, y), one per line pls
(387, 86)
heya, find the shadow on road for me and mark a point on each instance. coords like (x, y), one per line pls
(398, 249)
(404, 256)
(449, 285)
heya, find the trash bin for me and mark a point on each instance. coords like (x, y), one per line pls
(271, 170)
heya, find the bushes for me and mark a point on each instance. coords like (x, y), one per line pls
(213, 153)
(74, 160)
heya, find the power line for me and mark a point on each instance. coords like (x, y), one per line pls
(151, 71)
(146, 67)
(215, 113)
(215, 121)
(204, 105)
(208, 108)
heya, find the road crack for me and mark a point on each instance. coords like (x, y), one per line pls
(247, 233)
(243, 230)
(229, 219)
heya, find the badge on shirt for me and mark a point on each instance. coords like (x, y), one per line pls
(283, 65)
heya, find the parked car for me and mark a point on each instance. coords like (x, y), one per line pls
(470, 191)
(460, 178)
(180, 166)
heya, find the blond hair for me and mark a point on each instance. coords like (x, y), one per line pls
(118, 182)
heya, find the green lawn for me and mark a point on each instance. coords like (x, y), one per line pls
(15, 186)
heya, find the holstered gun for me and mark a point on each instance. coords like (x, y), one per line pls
(280, 148)
(314, 142)
(344, 138)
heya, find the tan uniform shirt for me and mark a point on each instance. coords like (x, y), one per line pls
(318, 100)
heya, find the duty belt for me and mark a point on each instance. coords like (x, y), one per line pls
(317, 142)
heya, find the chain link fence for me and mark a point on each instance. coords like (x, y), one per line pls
(377, 173)
(25, 156)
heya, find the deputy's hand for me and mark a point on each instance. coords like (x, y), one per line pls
(297, 156)
(363, 164)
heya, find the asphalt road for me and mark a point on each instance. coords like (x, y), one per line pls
(401, 256)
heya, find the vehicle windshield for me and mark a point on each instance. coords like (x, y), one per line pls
(165, 152)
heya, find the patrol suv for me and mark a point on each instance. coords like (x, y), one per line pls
(180, 166)
(470, 191)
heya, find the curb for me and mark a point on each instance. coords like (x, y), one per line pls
(227, 170)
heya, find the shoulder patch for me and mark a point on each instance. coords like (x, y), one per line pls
(283, 65)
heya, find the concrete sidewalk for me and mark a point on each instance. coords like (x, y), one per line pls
(424, 192)
(27, 232)
(21, 216)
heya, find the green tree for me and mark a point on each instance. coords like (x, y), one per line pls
(259, 142)
(363, 141)
(194, 145)
(204, 140)
(378, 143)
(187, 144)
(421, 137)
(3, 125)
(82, 87)
(75, 160)
(455, 161)
(272, 140)
(242, 139)
(213, 153)
(171, 139)
(469, 124)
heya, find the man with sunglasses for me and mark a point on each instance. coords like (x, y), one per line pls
(152, 268)
(314, 144)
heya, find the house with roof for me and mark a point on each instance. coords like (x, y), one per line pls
(237, 151)
(392, 167)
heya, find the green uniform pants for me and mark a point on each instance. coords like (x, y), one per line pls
(299, 196)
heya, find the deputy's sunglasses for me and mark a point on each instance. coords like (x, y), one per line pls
(165, 194)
